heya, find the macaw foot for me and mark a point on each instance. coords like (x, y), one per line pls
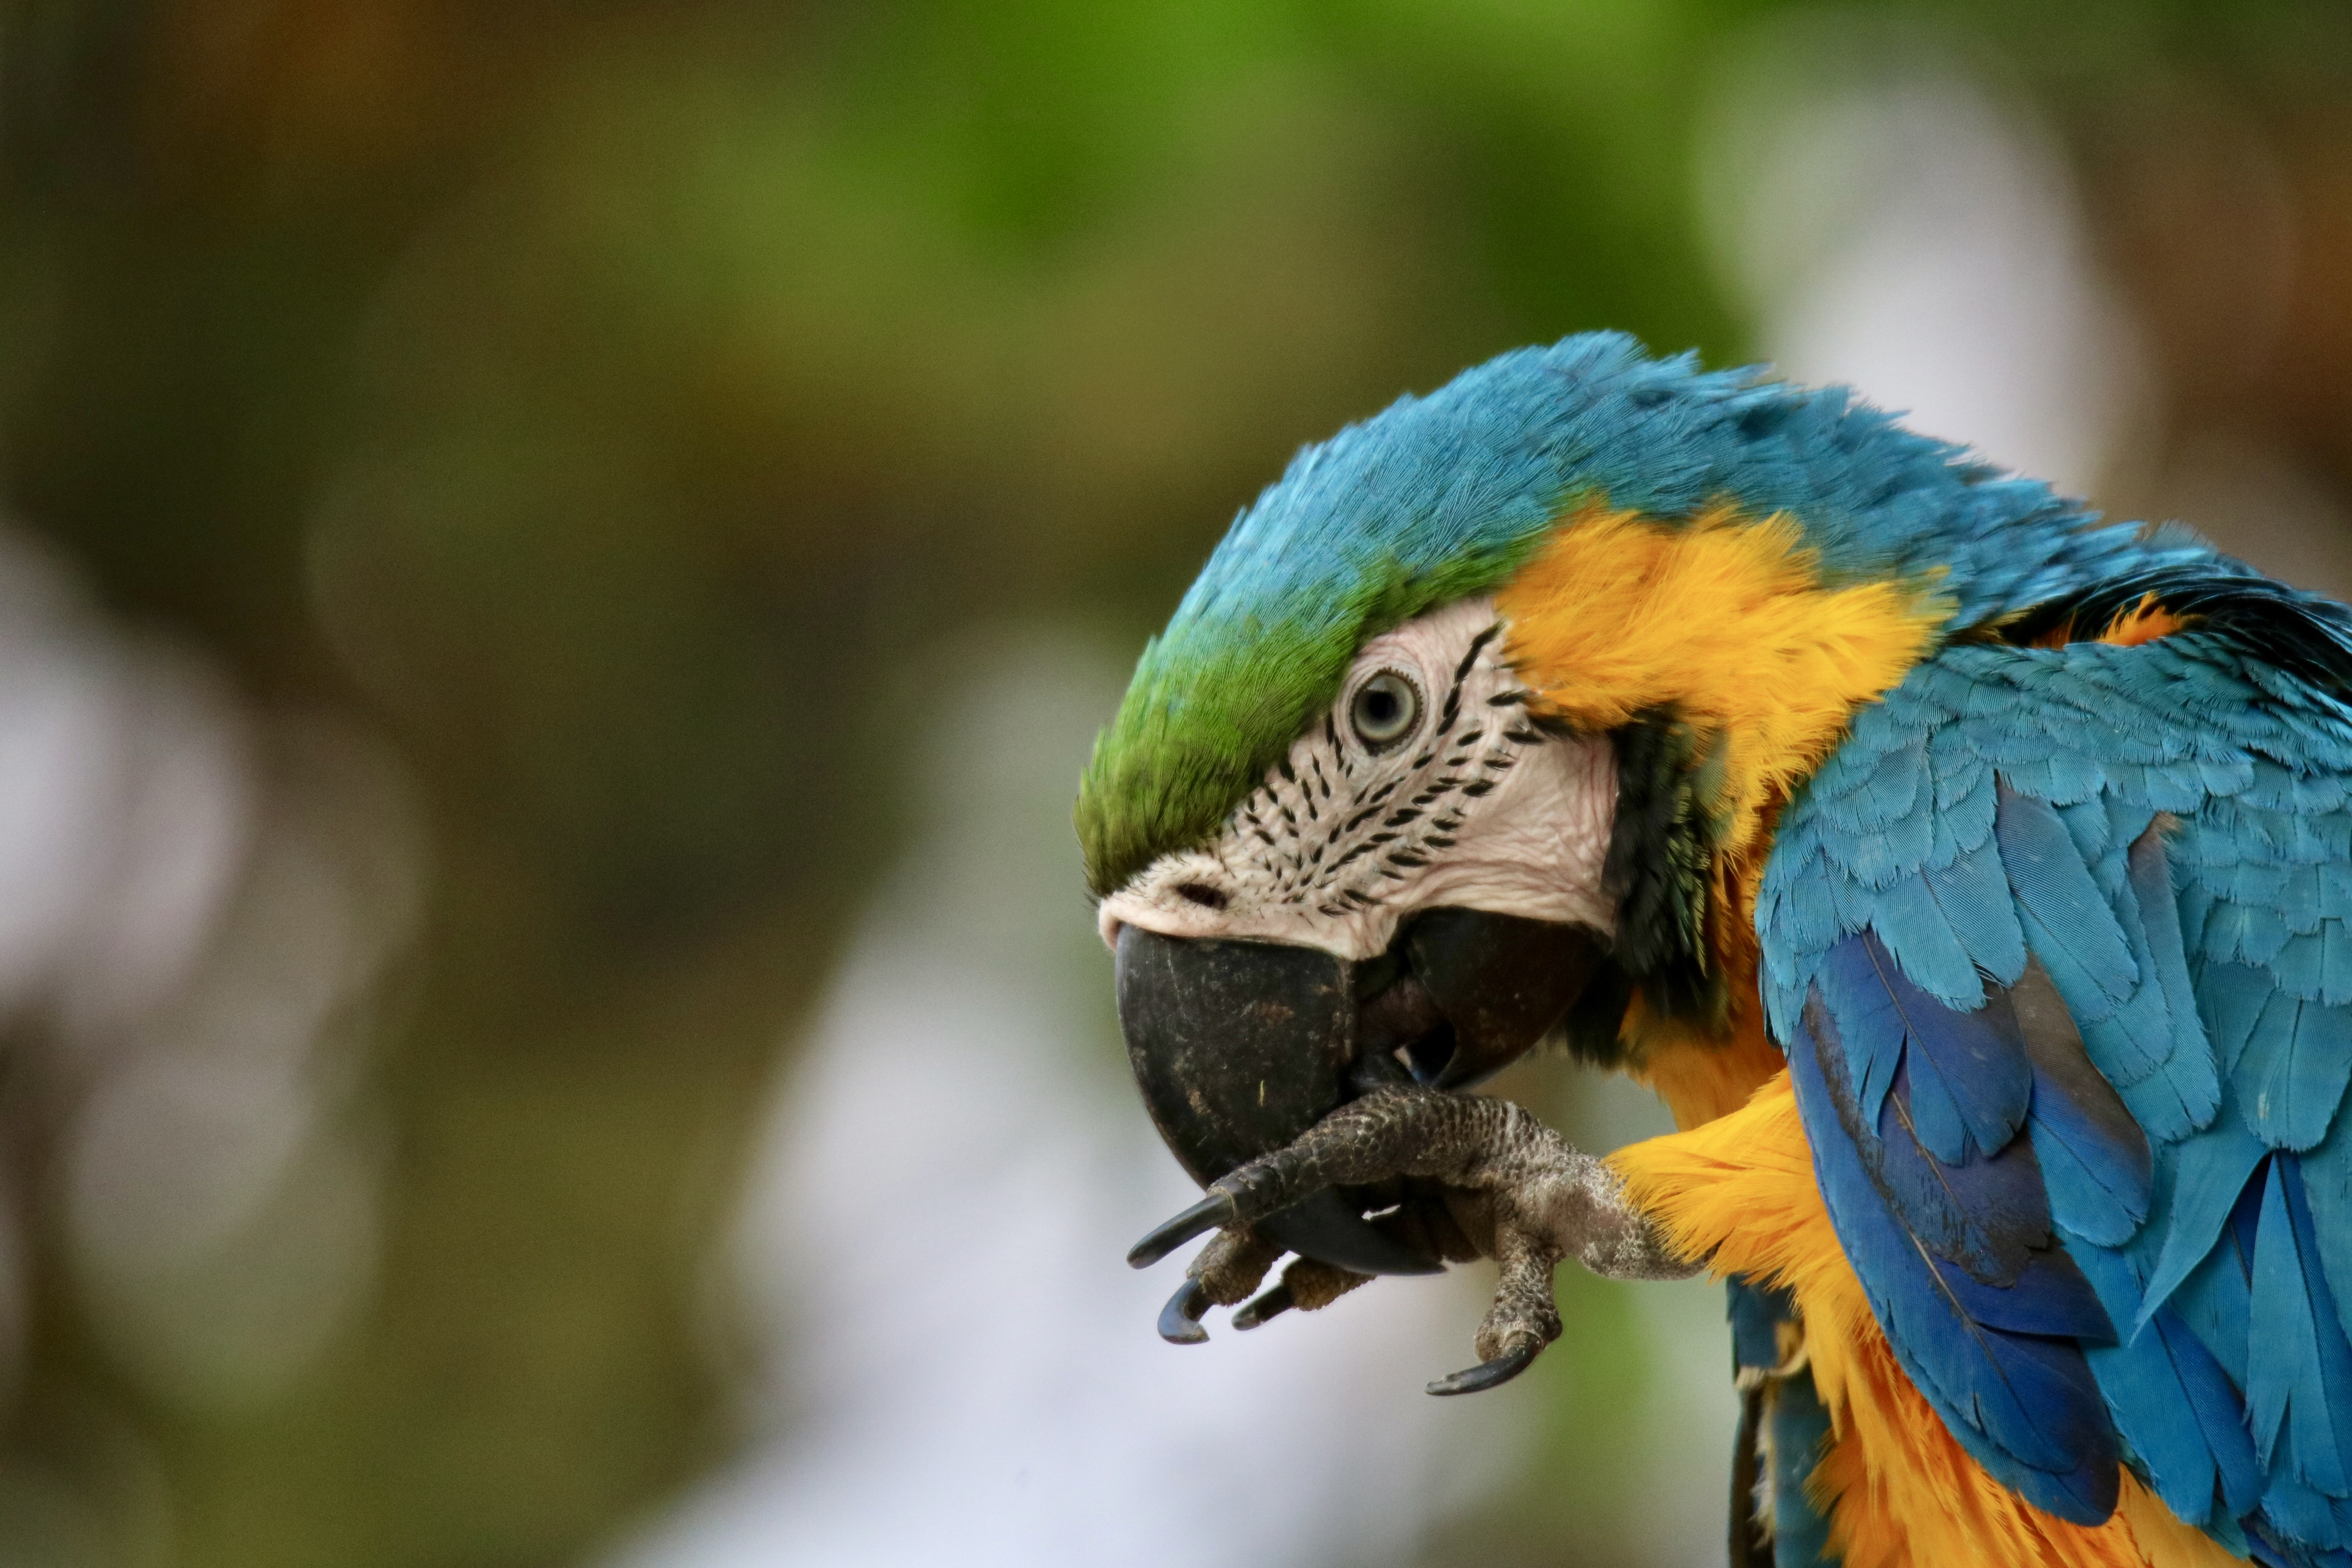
(1228, 1271)
(1484, 1178)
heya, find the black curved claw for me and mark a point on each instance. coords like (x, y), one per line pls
(1487, 1374)
(1211, 1213)
(1180, 1321)
(1265, 1305)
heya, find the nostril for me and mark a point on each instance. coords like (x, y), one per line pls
(1201, 893)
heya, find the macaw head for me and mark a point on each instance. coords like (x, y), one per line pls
(1473, 729)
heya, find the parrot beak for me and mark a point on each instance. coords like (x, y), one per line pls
(1240, 1047)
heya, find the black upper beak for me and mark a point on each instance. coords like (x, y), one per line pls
(1240, 1047)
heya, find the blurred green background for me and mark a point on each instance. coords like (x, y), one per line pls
(567, 449)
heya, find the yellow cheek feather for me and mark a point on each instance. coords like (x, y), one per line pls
(1725, 618)
(1739, 1192)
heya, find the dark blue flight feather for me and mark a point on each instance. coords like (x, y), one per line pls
(2024, 1405)
(1970, 1081)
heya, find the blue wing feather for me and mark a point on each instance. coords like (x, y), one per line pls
(1918, 934)
(2027, 1407)
(2322, 1407)
(2217, 1305)
(2068, 924)
(2094, 1156)
(2235, 996)
(2206, 1177)
(1970, 1066)
(2294, 1066)
(2283, 1351)
(1994, 931)
(2152, 1380)
(2328, 1188)
(2158, 903)
(1975, 899)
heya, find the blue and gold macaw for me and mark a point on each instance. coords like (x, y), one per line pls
(1970, 879)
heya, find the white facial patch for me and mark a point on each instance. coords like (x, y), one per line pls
(1428, 783)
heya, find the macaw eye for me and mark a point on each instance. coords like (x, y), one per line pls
(1385, 711)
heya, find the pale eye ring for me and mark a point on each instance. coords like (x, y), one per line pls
(1385, 710)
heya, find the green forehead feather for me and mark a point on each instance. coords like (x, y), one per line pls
(1442, 497)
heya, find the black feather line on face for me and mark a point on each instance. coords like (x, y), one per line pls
(1661, 859)
(1659, 875)
(1592, 1025)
